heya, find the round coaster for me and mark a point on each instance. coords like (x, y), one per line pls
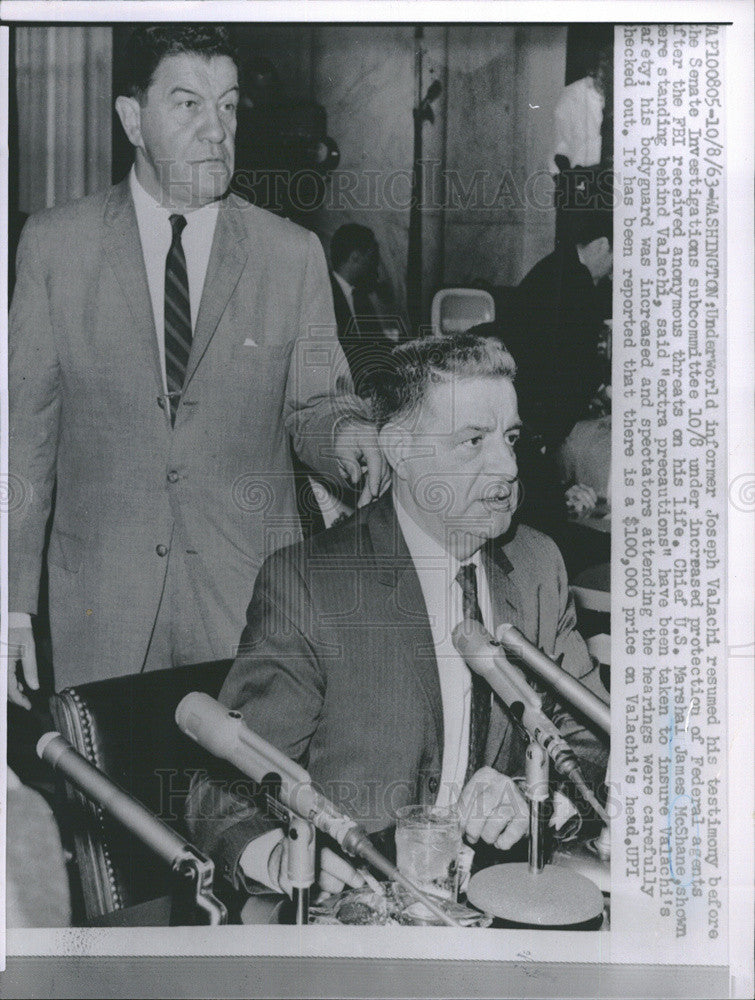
(552, 897)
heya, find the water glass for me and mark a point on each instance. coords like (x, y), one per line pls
(428, 842)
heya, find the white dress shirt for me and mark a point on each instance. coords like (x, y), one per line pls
(578, 118)
(155, 235)
(437, 570)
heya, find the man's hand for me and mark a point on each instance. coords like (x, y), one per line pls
(358, 452)
(335, 872)
(21, 647)
(493, 808)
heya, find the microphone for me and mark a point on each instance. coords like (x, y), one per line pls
(472, 639)
(225, 735)
(584, 700)
(182, 857)
(482, 654)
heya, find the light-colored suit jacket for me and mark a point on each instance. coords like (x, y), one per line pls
(87, 417)
(337, 668)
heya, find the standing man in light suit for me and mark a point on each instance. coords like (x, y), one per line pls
(166, 338)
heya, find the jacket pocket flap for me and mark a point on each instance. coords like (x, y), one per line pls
(65, 550)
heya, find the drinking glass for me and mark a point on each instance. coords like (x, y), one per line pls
(428, 842)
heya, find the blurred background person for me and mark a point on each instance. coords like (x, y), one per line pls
(354, 263)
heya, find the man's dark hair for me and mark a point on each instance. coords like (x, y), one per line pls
(582, 226)
(348, 238)
(149, 44)
(418, 364)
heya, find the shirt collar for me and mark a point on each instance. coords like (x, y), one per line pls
(348, 290)
(146, 205)
(423, 548)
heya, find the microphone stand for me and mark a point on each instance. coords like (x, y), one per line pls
(193, 871)
(536, 793)
(300, 833)
(301, 865)
(532, 893)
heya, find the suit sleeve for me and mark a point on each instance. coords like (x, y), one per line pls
(277, 684)
(319, 389)
(34, 416)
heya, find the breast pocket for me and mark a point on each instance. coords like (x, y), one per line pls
(251, 354)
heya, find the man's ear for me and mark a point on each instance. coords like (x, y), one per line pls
(394, 440)
(130, 113)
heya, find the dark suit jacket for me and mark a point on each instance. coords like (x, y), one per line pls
(85, 393)
(337, 668)
(554, 343)
(365, 345)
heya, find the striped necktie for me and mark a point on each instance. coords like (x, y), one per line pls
(177, 316)
(479, 715)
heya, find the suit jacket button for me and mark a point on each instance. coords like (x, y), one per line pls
(173, 476)
(162, 550)
(432, 784)
(161, 402)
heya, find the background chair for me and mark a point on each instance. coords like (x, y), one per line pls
(125, 726)
(455, 310)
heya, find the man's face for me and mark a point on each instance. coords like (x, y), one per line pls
(188, 128)
(599, 258)
(459, 477)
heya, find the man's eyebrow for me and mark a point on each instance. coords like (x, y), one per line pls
(477, 428)
(179, 89)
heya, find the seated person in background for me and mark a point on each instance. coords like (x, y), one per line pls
(354, 260)
(347, 663)
(553, 332)
(584, 462)
(558, 324)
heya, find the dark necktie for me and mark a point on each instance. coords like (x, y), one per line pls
(177, 316)
(479, 716)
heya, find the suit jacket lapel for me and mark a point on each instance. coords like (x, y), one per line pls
(228, 257)
(123, 249)
(396, 571)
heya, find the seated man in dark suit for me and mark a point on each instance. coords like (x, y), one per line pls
(354, 260)
(347, 663)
